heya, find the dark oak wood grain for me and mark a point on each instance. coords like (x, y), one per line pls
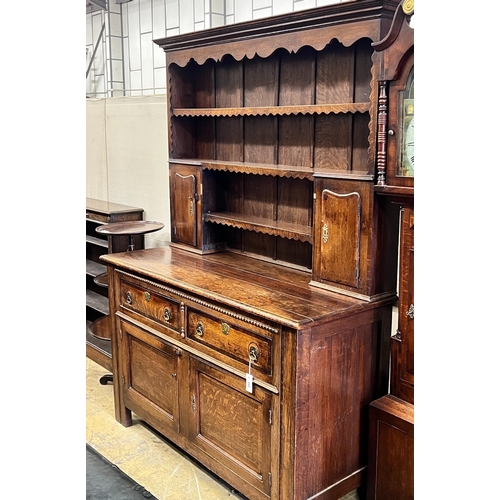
(220, 310)
(283, 261)
(391, 463)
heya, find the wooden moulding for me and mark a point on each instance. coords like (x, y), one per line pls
(361, 107)
(314, 28)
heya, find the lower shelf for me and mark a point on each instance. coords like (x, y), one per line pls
(101, 328)
(98, 350)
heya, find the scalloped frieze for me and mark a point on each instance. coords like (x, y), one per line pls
(247, 168)
(362, 107)
(265, 45)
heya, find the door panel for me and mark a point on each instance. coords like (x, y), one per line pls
(151, 380)
(184, 197)
(230, 424)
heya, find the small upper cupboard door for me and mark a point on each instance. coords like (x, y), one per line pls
(340, 237)
(183, 205)
(230, 425)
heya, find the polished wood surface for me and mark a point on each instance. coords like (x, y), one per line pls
(403, 343)
(257, 340)
(391, 474)
(130, 227)
(263, 135)
(390, 471)
(199, 318)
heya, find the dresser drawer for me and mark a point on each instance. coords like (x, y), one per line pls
(232, 337)
(155, 306)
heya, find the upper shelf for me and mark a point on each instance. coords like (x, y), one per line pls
(362, 107)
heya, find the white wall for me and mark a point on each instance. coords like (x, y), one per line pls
(127, 159)
(127, 62)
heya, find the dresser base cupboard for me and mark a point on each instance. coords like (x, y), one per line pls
(189, 328)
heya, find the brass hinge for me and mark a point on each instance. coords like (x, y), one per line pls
(270, 480)
(397, 335)
(270, 417)
(123, 380)
(121, 334)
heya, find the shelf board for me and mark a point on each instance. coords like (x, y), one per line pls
(359, 107)
(96, 241)
(98, 350)
(260, 169)
(261, 225)
(97, 302)
(94, 268)
(249, 168)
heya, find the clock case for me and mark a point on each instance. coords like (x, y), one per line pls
(394, 62)
(391, 417)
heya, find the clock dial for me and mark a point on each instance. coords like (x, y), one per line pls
(408, 153)
(406, 162)
(410, 146)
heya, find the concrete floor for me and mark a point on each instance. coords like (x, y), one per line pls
(146, 457)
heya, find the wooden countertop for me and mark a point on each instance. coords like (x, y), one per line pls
(268, 290)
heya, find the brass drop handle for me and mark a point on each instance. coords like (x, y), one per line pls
(200, 329)
(167, 315)
(129, 298)
(253, 353)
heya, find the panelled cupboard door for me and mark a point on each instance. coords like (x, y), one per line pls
(402, 380)
(231, 425)
(340, 237)
(151, 378)
(345, 241)
(184, 185)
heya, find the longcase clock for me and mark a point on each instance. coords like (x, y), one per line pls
(391, 418)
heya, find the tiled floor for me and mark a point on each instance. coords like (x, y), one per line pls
(144, 455)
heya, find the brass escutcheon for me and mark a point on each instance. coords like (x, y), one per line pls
(225, 328)
(167, 315)
(147, 296)
(325, 232)
(129, 298)
(199, 329)
(253, 353)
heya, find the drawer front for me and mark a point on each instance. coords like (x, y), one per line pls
(232, 338)
(160, 308)
(98, 217)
